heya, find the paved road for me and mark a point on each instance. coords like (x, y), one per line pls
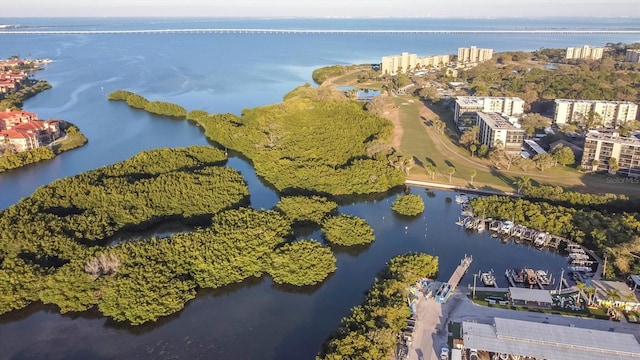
(430, 333)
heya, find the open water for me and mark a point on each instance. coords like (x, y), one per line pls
(228, 73)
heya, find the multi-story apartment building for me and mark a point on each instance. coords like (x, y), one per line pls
(606, 113)
(406, 62)
(632, 55)
(474, 55)
(23, 131)
(467, 106)
(585, 52)
(604, 146)
(495, 129)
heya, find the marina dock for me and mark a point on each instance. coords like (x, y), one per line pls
(447, 288)
(511, 231)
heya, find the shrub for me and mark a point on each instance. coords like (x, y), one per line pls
(347, 230)
(410, 205)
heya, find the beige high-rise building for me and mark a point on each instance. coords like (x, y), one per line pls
(608, 113)
(406, 62)
(495, 129)
(466, 106)
(474, 55)
(603, 147)
(633, 55)
(585, 52)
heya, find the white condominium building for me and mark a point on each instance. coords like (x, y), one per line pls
(474, 55)
(495, 129)
(466, 106)
(585, 52)
(406, 62)
(603, 147)
(633, 55)
(606, 113)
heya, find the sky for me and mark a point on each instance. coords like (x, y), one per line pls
(320, 8)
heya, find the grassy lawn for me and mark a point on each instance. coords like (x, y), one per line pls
(442, 150)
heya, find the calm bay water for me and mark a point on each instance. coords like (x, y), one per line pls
(227, 73)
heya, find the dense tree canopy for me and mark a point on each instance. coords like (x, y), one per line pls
(308, 144)
(300, 209)
(410, 205)
(305, 262)
(347, 230)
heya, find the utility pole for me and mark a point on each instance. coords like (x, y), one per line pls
(474, 285)
(560, 282)
(604, 268)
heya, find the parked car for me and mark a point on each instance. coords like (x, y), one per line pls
(444, 353)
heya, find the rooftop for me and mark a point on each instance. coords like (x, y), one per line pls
(549, 341)
(612, 137)
(496, 121)
(592, 101)
(604, 287)
(525, 294)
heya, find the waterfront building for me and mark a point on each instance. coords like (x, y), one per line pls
(632, 55)
(467, 106)
(585, 52)
(23, 131)
(608, 113)
(604, 146)
(520, 339)
(496, 130)
(474, 55)
(406, 62)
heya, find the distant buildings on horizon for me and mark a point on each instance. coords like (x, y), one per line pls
(585, 52)
(406, 62)
(474, 55)
(632, 55)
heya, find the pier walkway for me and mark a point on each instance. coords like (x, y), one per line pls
(446, 289)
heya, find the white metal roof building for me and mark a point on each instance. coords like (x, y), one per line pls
(544, 341)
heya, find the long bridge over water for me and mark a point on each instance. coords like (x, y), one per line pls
(313, 31)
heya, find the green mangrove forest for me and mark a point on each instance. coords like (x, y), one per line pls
(55, 245)
(305, 143)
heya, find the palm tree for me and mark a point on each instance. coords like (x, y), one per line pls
(594, 165)
(613, 166)
(473, 174)
(431, 170)
(473, 149)
(522, 183)
(451, 171)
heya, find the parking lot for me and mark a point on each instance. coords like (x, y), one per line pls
(430, 332)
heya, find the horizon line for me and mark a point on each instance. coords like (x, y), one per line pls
(249, 17)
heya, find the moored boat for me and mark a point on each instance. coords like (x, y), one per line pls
(543, 277)
(488, 279)
(462, 199)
